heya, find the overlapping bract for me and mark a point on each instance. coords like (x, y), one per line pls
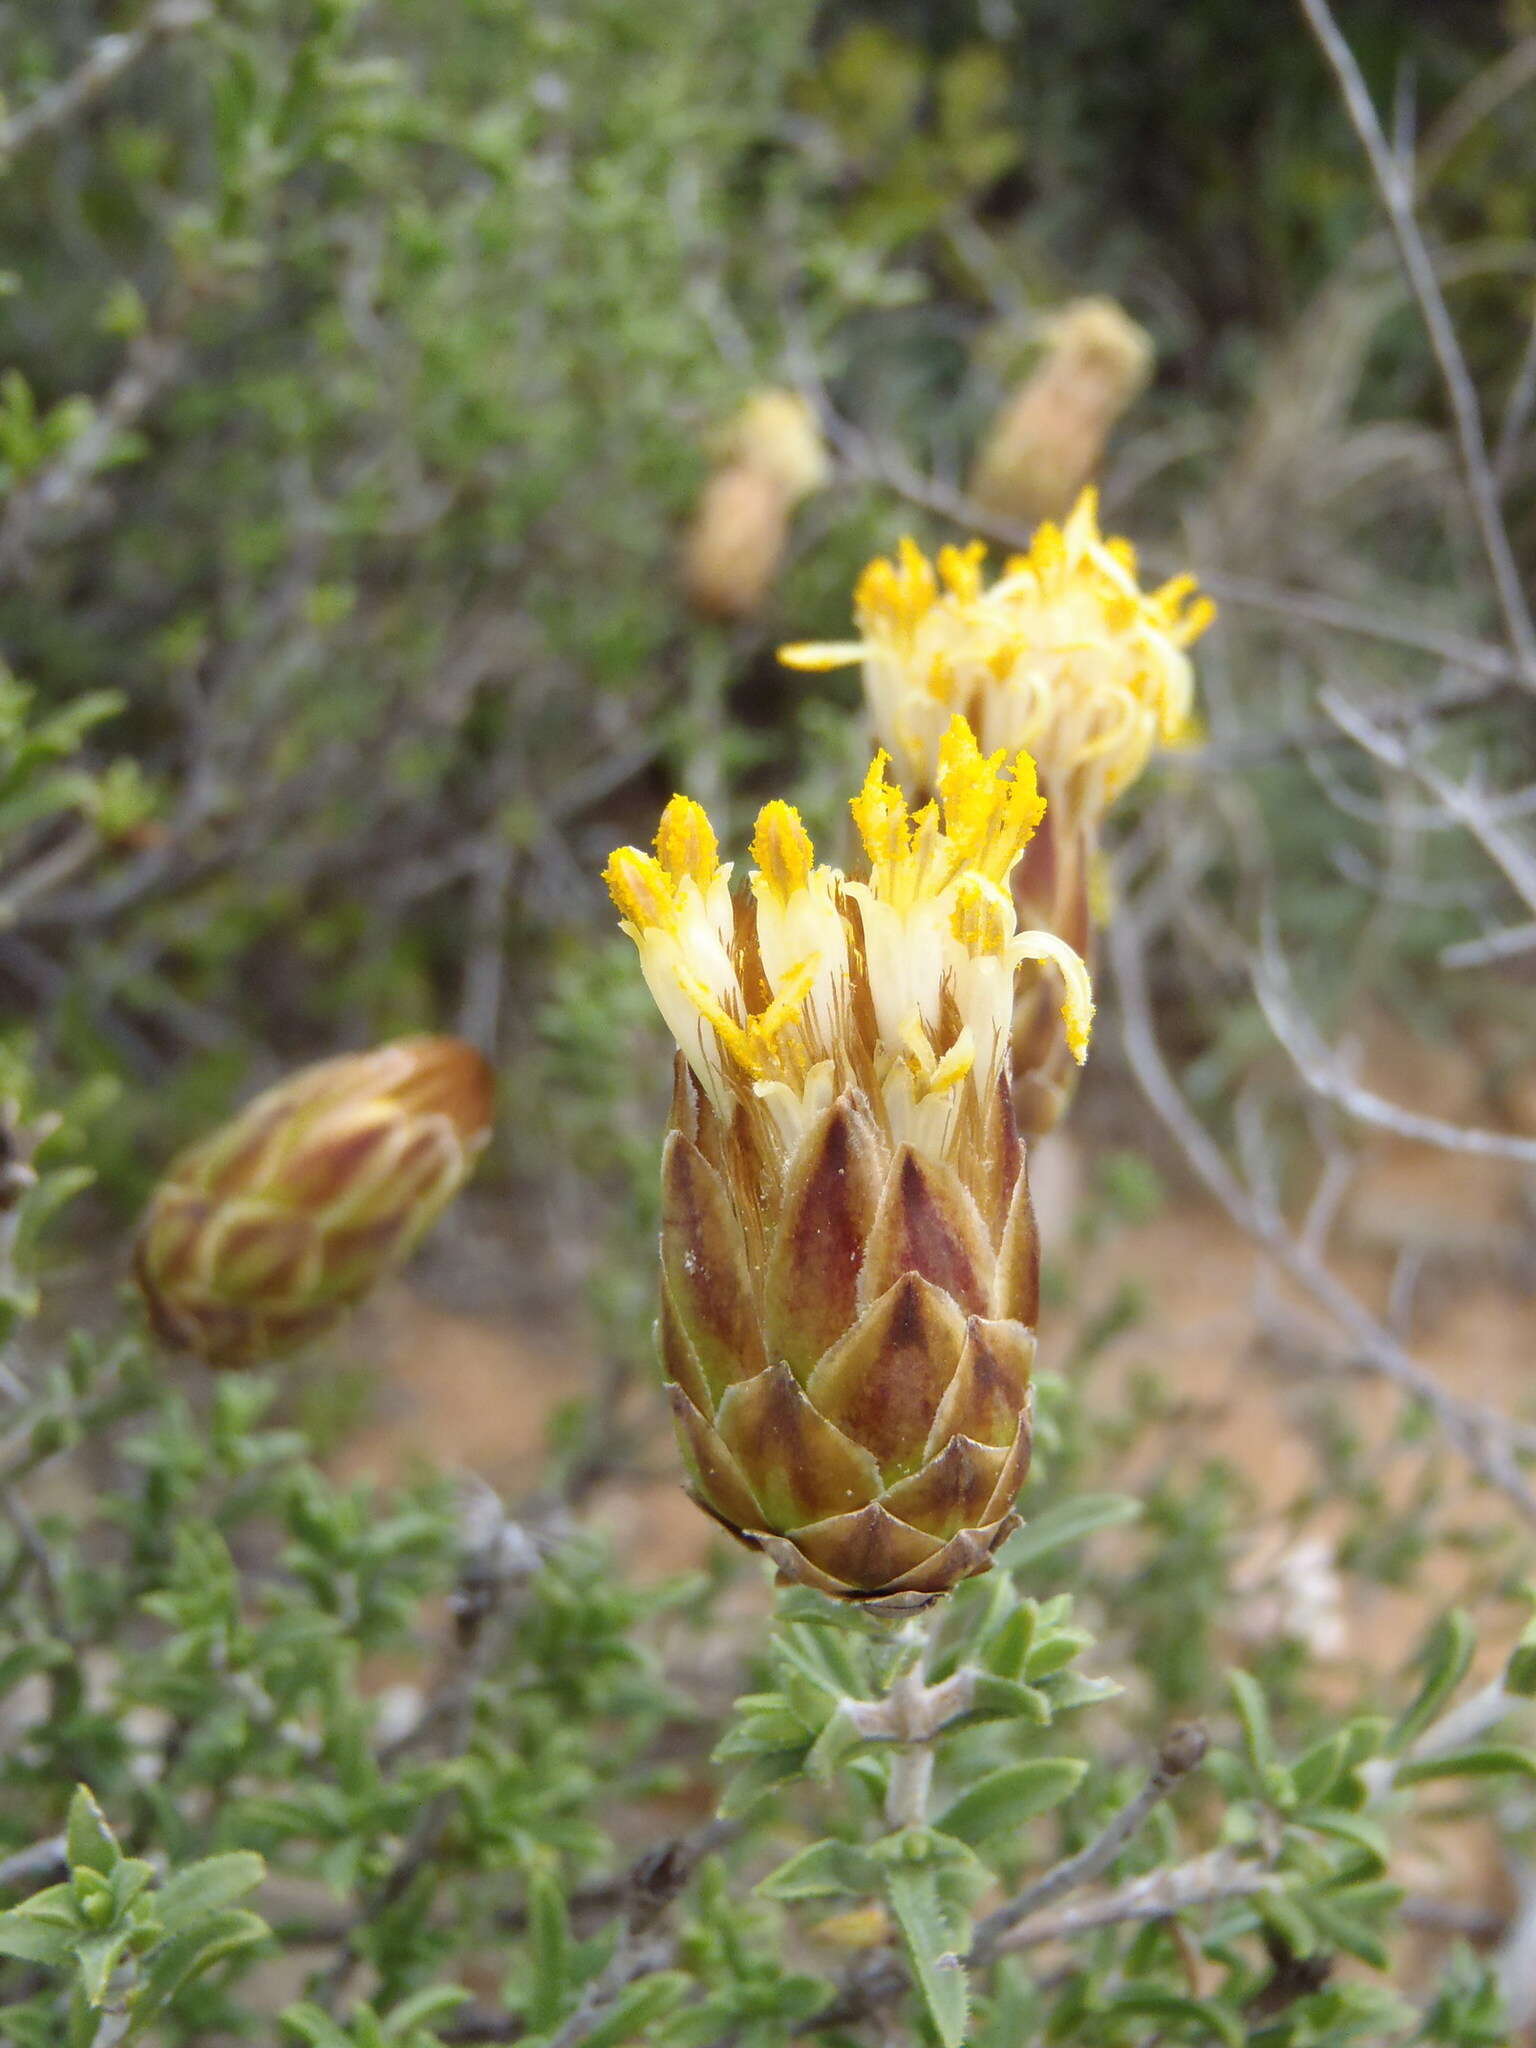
(262, 1236)
(848, 1248)
(1063, 654)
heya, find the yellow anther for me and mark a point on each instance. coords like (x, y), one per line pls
(686, 845)
(920, 1057)
(952, 1069)
(941, 678)
(989, 815)
(641, 889)
(782, 850)
(880, 813)
(960, 570)
(982, 919)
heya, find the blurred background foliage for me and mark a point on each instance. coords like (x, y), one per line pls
(362, 364)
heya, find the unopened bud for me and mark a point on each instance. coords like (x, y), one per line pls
(263, 1235)
(771, 457)
(1048, 440)
(1183, 1749)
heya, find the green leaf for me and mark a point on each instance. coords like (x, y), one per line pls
(96, 1957)
(206, 1887)
(30, 1938)
(1007, 1798)
(1494, 1759)
(933, 1936)
(1172, 2009)
(1316, 1772)
(1069, 1521)
(1253, 1713)
(89, 1842)
(1280, 1913)
(1004, 1699)
(825, 1870)
(1445, 1658)
(642, 2006)
(832, 1747)
(549, 1935)
(1364, 1836)
(1342, 1928)
(755, 1780)
(193, 1950)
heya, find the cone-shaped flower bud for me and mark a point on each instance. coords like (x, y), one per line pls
(1048, 439)
(264, 1234)
(1065, 655)
(849, 1266)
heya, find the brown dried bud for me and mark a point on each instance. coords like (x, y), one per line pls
(264, 1234)
(1049, 438)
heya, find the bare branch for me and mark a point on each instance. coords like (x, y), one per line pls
(1483, 1437)
(107, 59)
(1207, 1880)
(1324, 1074)
(1394, 187)
(1467, 805)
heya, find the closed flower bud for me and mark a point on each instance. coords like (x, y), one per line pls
(849, 1263)
(1064, 654)
(264, 1234)
(771, 457)
(1049, 438)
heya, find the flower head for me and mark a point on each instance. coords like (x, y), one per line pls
(847, 1245)
(1063, 654)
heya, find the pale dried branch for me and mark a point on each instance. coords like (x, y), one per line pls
(1325, 1074)
(108, 58)
(1466, 804)
(1208, 1880)
(1484, 1438)
(1394, 187)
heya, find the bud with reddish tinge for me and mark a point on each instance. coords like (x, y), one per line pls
(264, 1234)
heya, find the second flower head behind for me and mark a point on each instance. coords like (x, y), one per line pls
(1064, 653)
(809, 984)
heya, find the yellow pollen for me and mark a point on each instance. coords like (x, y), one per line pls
(989, 817)
(782, 849)
(901, 593)
(982, 919)
(686, 845)
(880, 813)
(941, 678)
(641, 889)
(752, 1046)
(960, 569)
